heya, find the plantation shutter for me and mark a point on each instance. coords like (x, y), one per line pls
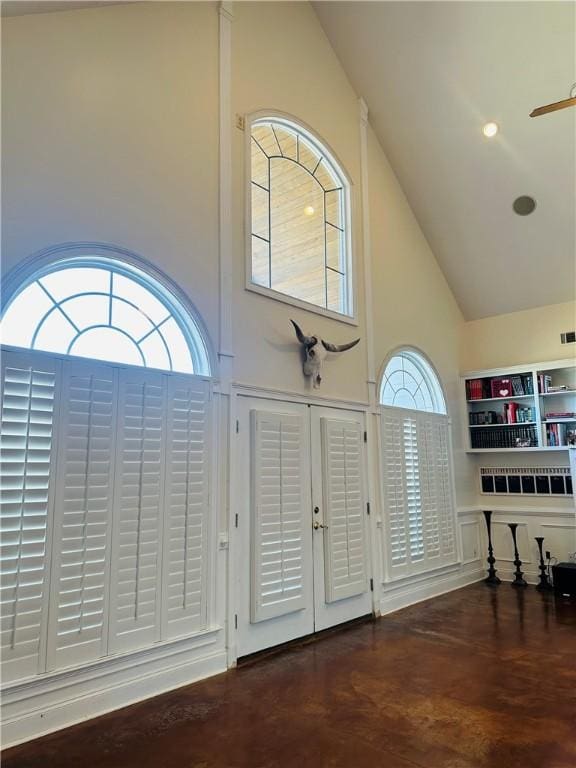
(187, 499)
(439, 436)
(136, 543)
(395, 491)
(418, 495)
(344, 545)
(83, 513)
(278, 515)
(29, 411)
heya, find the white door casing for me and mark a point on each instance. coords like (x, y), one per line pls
(299, 468)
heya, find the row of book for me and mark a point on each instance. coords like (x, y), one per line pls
(511, 414)
(482, 389)
(560, 415)
(545, 385)
(558, 435)
(504, 437)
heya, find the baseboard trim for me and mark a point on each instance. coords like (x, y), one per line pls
(396, 597)
(40, 707)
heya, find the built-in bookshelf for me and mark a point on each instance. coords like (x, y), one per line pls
(521, 408)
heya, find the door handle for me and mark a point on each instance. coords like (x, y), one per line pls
(318, 525)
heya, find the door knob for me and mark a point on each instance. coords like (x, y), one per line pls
(319, 525)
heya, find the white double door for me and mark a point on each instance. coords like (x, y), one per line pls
(303, 554)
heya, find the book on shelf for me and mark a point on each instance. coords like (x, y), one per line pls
(544, 383)
(504, 437)
(558, 435)
(560, 415)
(512, 414)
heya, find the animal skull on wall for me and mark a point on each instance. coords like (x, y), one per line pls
(315, 350)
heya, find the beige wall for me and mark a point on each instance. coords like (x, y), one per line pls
(531, 336)
(413, 304)
(282, 61)
(110, 135)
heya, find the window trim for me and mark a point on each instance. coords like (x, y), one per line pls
(123, 261)
(407, 348)
(351, 271)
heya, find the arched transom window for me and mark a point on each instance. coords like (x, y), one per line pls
(299, 200)
(106, 312)
(409, 381)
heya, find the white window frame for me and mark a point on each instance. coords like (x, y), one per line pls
(408, 570)
(351, 282)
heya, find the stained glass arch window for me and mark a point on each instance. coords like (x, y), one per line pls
(409, 381)
(299, 203)
(103, 309)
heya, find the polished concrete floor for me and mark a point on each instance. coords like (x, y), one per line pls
(478, 678)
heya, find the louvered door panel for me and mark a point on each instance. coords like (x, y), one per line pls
(278, 515)
(187, 499)
(135, 599)
(29, 411)
(83, 516)
(344, 545)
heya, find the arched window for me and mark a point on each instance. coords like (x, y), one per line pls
(105, 310)
(299, 217)
(409, 381)
(105, 462)
(416, 468)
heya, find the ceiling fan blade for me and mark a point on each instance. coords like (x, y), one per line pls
(571, 102)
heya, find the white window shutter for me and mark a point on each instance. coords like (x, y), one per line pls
(430, 523)
(413, 488)
(279, 515)
(395, 493)
(29, 411)
(444, 492)
(136, 538)
(186, 508)
(83, 510)
(418, 496)
(343, 494)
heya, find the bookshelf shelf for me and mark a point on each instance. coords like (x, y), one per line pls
(545, 449)
(562, 393)
(507, 409)
(515, 424)
(501, 399)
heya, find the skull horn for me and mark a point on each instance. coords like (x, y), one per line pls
(308, 341)
(339, 347)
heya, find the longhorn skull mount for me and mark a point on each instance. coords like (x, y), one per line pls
(315, 351)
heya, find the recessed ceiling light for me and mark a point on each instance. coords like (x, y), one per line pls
(524, 205)
(490, 130)
(309, 210)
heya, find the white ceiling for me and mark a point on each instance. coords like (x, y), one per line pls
(432, 73)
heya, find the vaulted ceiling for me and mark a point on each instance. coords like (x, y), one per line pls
(432, 73)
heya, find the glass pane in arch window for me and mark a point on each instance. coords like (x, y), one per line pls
(98, 313)
(298, 217)
(409, 381)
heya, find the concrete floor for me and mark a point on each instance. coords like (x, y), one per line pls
(478, 678)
